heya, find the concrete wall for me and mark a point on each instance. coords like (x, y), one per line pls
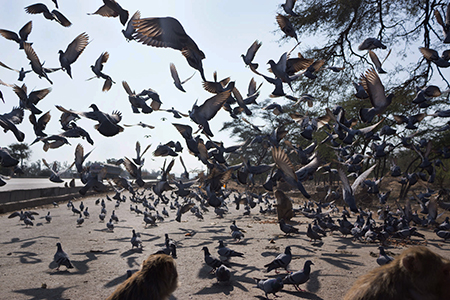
(20, 199)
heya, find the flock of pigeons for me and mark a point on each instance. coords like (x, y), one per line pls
(342, 137)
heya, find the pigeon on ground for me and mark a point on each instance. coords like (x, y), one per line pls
(312, 234)
(223, 274)
(28, 222)
(286, 228)
(281, 261)
(110, 225)
(444, 234)
(212, 261)
(299, 277)
(227, 252)
(270, 286)
(61, 258)
(80, 220)
(48, 217)
(383, 258)
(136, 240)
(237, 235)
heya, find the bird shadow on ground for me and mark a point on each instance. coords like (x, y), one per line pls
(131, 252)
(340, 262)
(104, 230)
(307, 249)
(28, 257)
(204, 243)
(313, 284)
(216, 288)
(268, 253)
(437, 243)
(347, 242)
(304, 295)
(17, 240)
(131, 261)
(118, 280)
(124, 239)
(205, 272)
(43, 294)
(27, 244)
(184, 231)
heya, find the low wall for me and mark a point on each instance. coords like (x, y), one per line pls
(20, 199)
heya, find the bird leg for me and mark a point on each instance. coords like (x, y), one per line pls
(298, 288)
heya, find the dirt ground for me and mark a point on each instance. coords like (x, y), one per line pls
(101, 258)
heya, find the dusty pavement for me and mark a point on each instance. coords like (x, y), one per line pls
(101, 258)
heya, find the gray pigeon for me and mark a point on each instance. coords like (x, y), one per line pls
(286, 228)
(223, 274)
(375, 89)
(129, 30)
(271, 286)
(107, 123)
(237, 235)
(73, 51)
(20, 38)
(36, 65)
(205, 112)
(370, 44)
(383, 258)
(112, 9)
(135, 240)
(110, 225)
(176, 79)
(299, 277)
(288, 8)
(286, 26)
(281, 261)
(250, 55)
(212, 261)
(168, 32)
(8, 122)
(61, 258)
(445, 25)
(40, 8)
(227, 252)
(444, 234)
(48, 218)
(312, 234)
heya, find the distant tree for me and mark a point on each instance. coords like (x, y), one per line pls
(20, 151)
(34, 169)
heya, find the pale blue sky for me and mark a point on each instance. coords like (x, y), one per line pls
(223, 30)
